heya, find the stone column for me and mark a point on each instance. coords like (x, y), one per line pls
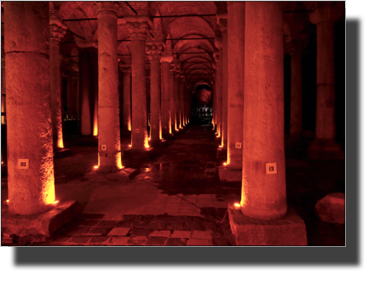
(181, 93)
(296, 49)
(172, 101)
(154, 53)
(29, 135)
(165, 95)
(3, 86)
(84, 92)
(324, 145)
(138, 28)
(225, 88)
(217, 94)
(219, 88)
(108, 104)
(235, 84)
(176, 99)
(263, 183)
(57, 31)
(175, 96)
(126, 70)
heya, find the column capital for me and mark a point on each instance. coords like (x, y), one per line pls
(296, 47)
(138, 30)
(111, 6)
(57, 28)
(154, 51)
(125, 69)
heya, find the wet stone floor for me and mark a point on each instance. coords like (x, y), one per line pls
(174, 196)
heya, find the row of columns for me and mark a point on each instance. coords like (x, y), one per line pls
(34, 105)
(249, 103)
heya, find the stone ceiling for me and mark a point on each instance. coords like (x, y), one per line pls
(190, 37)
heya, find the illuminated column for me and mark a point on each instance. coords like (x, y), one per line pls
(181, 95)
(95, 92)
(172, 101)
(217, 118)
(325, 118)
(57, 31)
(126, 70)
(3, 86)
(225, 88)
(29, 135)
(263, 184)
(84, 91)
(235, 84)
(138, 31)
(176, 99)
(165, 95)
(154, 53)
(296, 49)
(108, 104)
(219, 88)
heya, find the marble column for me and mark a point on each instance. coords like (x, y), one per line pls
(324, 144)
(235, 84)
(181, 92)
(219, 88)
(154, 53)
(57, 31)
(165, 95)
(126, 70)
(263, 183)
(138, 29)
(108, 104)
(29, 136)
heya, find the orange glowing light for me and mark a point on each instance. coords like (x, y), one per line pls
(7, 201)
(220, 146)
(95, 130)
(55, 202)
(225, 163)
(146, 144)
(95, 167)
(237, 205)
(130, 145)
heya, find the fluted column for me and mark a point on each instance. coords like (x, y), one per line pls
(29, 129)
(138, 30)
(154, 53)
(127, 124)
(57, 31)
(263, 183)
(108, 104)
(324, 17)
(165, 95)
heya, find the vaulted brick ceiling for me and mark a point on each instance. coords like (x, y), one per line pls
(194, 55)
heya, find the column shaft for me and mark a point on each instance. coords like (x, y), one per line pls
(172, 104)
(108, 104)
(165, 99)
(29, 135)
(263, 191)
(225, 89)
(235, 84)
(84, 91)
(155, 99)
(220, 93)
(296, 96)
(127, 100)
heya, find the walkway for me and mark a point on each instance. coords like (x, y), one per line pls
(176, 198)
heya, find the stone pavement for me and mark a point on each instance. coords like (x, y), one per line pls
(175, 197)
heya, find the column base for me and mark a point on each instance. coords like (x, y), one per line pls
(38, 227)
(159, 144)
(61, 153)
(121, 175)
(229, 175)
(288, 231)
(321, 149)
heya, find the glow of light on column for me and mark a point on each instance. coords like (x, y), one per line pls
(56, 202)
(7, 201)
(130, 145)
(225, 163)
(146, 143)
(119, 165)
(95, 167)
(95, 130)
(129, 124)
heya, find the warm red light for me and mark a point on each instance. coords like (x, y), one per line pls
(95, 167)
(95, 129)
(225, 163)
(55, 202)
(237, 205)
(7, 201)
(130, 145)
